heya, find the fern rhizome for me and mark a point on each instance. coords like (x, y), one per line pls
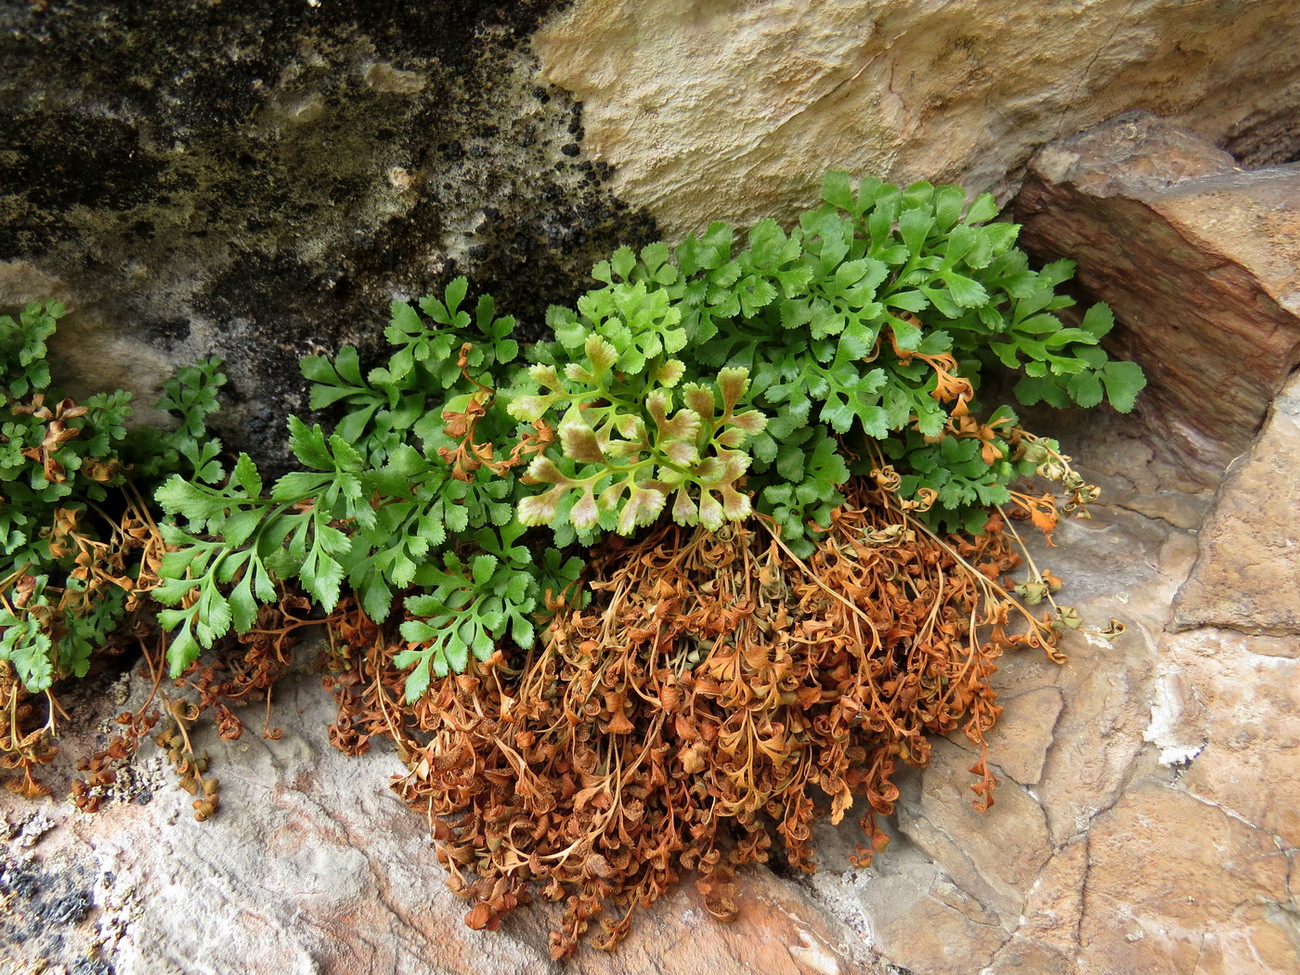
(621, 598)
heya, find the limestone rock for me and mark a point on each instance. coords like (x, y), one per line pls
(1198, 258)
(313, 866)
(992, 857)
(1025, 732)
(1045, 940)
(1233, 717)
(1247, 577)
(929, 924)
(732, 110)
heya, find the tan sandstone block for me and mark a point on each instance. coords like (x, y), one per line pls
(1247, 573)
(1234, 713)
(1176, 886)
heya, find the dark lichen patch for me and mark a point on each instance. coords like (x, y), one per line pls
(267, 178)
(528, 252)
(42, 906)
(44, 180)
(169, 330)
(187, 65)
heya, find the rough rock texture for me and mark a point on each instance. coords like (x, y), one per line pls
(261, 180)
(1146, 819)
(1248, 575)
(1199, 258)
(733, 108)
(314, 866)
(1219, 904)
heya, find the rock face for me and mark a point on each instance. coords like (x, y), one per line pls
(733, 109)
(1198, 256)
(261, 181)
(242, 179)
(1248, 575)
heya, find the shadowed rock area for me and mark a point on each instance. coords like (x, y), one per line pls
(261, 181)
(1198, 255)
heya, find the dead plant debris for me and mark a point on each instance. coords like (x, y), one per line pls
(716, 696)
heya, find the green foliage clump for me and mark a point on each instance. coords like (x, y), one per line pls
(704, 383)
(392, 500)
(75, 529)
(875, 317)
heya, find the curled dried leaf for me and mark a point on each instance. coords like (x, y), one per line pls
(682, 720)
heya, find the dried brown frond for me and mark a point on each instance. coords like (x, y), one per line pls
(716, 696)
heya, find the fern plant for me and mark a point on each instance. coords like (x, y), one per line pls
(701, 383)
(76, 533)
(405, 494)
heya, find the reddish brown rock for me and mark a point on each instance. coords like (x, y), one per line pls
(1218, 904)
(1247, 575)
(1198, 258)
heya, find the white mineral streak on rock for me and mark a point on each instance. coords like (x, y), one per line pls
(1166, 717)
(814, 956)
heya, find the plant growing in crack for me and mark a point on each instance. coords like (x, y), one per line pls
(743, 527)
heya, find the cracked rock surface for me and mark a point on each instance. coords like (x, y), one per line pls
(1148, 814)
(1248, 575)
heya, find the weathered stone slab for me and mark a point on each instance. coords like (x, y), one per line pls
(1247, 575)
(1229, 716)
(1176, 886)
(1198, 258)
(992, 857)
(732, 109)
(1025, 732)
